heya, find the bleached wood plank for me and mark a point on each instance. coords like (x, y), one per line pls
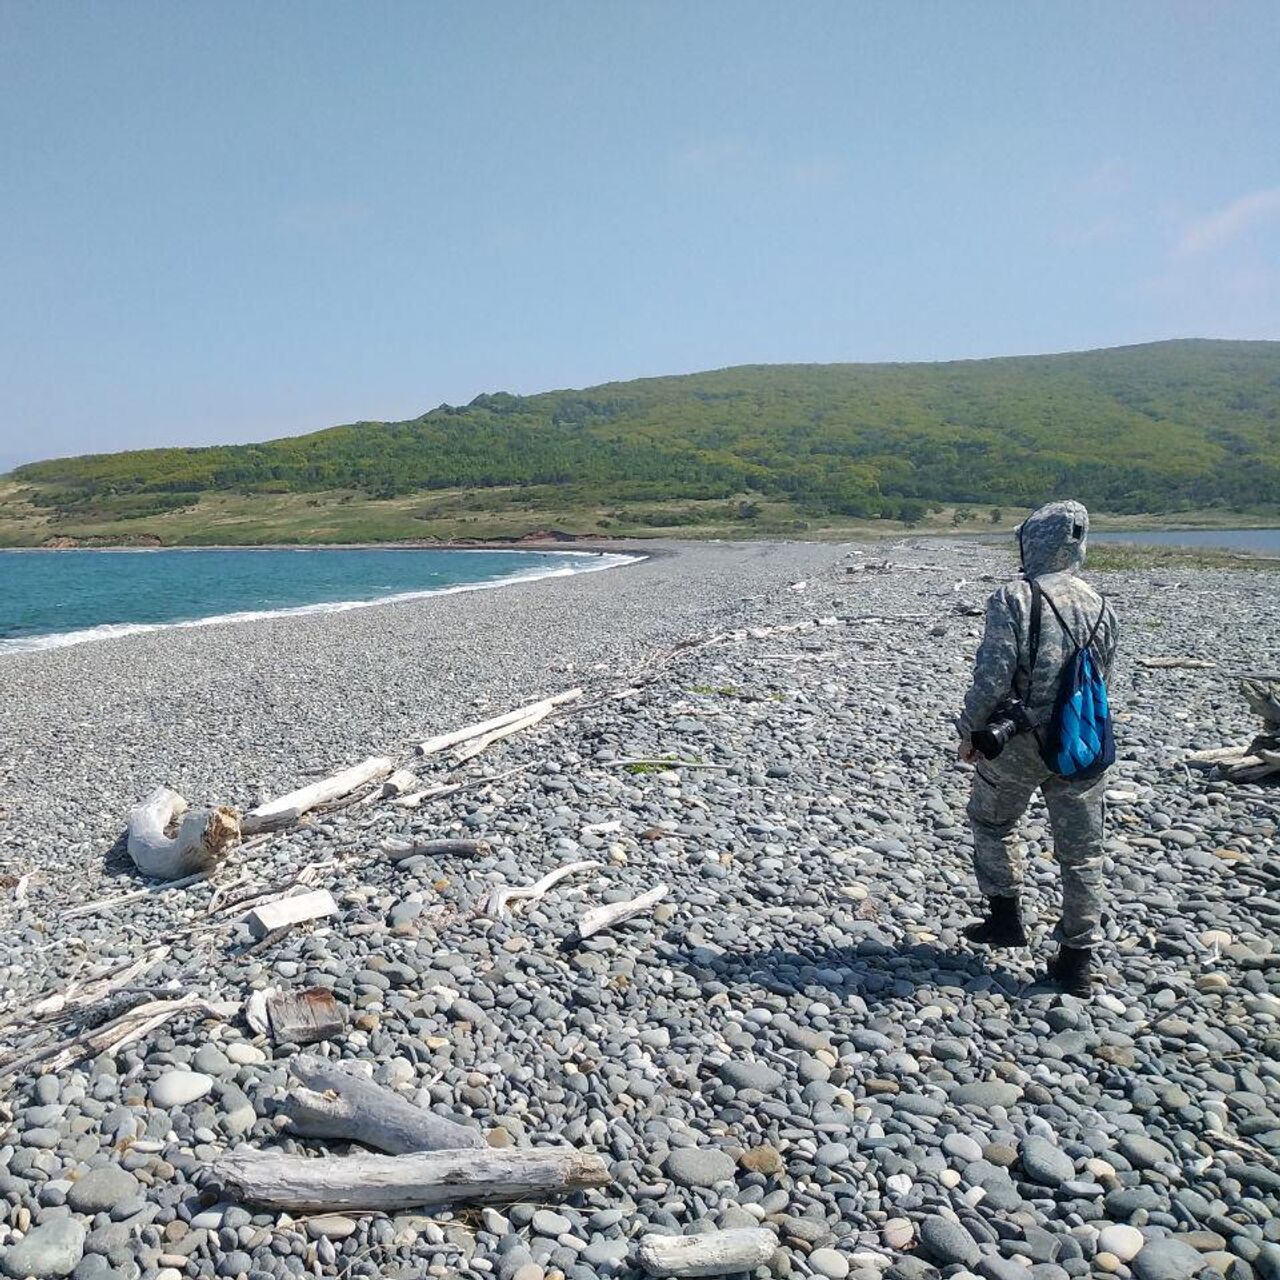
(292, 910)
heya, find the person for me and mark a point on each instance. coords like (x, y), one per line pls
(1052, 543)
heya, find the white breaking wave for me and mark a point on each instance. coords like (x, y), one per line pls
(114, 630)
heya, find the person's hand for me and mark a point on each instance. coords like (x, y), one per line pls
(967, 751)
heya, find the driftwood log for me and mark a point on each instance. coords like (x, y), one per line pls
(340, 1102)
(371, 1182)
(455, 737)
(287, 809)
(201, 840)
(716, 1253)
(472, 748)
(497, 723)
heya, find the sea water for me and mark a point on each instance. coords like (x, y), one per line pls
(1261, 541)
(53, 598)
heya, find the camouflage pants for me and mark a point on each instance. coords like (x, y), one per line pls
(1002, 789)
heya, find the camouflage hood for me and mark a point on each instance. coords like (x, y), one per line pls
(1052, 539)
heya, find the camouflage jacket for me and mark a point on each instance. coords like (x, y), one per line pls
(1053, 544)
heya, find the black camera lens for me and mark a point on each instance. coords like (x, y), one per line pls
(992, 738)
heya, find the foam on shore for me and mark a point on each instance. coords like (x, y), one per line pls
(590, 562)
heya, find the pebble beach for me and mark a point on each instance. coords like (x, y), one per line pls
(795, 1038)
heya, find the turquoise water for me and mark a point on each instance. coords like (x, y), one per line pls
(53, 598)
(1264, 541)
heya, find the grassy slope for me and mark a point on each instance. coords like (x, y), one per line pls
(346, 517)
(1168, 427)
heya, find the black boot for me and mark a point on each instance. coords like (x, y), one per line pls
(1072, 970)
(1001, 928)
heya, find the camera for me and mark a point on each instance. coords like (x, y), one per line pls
(1008, 719)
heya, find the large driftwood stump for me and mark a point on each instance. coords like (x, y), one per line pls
(1259, 759)
(1262, 693)
(339, 1102)
(200, 842)
(366, 1182)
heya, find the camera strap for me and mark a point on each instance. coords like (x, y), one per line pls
(1033, 648)
(1037, 594)
(1033, 634)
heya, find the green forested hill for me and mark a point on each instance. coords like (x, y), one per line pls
(1155, 428)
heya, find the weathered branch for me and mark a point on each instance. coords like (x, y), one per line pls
(73, 1000)
(500, 898)
(1215, 755)
(600, 918)
(397, 850)
(440, 790)
(415, 798)
(110, 1036)
(102, 904)
(628, 761)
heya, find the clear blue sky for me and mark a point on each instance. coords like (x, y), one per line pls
(230, 221)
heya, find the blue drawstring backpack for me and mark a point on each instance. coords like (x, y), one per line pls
(1078, 742)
